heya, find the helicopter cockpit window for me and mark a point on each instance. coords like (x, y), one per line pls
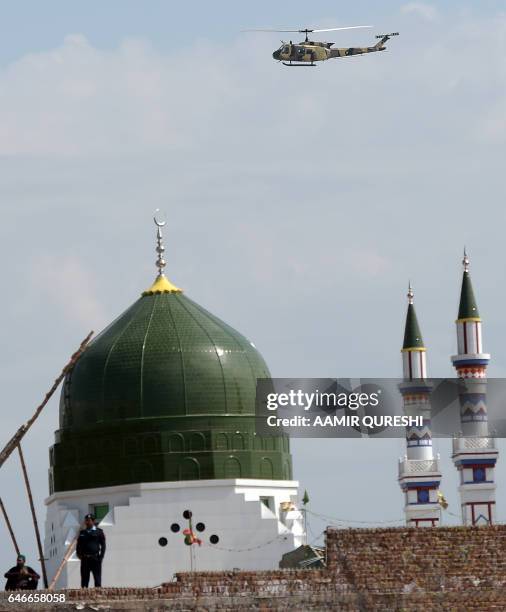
(286, 49)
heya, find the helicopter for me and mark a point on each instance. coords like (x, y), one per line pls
(307, 52)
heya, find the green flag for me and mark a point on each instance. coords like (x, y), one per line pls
(305, 499)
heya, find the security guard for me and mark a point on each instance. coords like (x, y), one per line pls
(90, 550)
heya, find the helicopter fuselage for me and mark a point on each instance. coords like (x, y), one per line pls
(308, 52)
(303, 52)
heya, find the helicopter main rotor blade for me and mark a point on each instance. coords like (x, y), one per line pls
(264, 30)
(306, 30)
(336, 29)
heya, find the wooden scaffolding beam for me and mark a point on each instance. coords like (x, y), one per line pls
(9, 527)
(66, 557)
(34, 517)
(17, 437)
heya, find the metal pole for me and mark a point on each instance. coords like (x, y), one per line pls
(191, 545)
(13, 538)
(34, 516)
(16, 438)
(66, 557)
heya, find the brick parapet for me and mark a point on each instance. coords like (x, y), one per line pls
(443, 568)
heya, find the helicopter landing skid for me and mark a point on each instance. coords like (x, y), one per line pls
(298, 65)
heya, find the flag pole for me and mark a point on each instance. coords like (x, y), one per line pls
(305, 501)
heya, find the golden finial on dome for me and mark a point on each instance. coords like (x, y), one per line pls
(162, 284)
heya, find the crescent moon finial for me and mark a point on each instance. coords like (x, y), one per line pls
(161, 284)
(157, 222)
(160, 261)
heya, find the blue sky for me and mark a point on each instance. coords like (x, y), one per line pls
(299, 203)
(30, 26)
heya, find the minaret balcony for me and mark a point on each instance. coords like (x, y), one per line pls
(473, 443)
(412, 467)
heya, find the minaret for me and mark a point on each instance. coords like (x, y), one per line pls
(419, 475)
(474, 450)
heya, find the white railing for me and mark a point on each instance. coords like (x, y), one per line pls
(417, 466)
(474, 443)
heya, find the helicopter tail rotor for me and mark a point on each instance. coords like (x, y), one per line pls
(387, 36)
(380, 46)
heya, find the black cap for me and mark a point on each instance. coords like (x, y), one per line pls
(89, 516)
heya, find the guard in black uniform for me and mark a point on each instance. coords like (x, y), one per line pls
(90, 550)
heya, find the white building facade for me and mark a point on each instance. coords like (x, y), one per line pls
(254, 522)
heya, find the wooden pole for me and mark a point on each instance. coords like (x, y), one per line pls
(16, 438)
(191, 543)
(9, 527)
(66, 557)
(34, 517)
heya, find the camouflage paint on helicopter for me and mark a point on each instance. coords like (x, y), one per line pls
(307, 52)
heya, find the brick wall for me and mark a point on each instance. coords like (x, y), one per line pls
(429, 559)
(444, 568)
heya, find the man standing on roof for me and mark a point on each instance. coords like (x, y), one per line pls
(90, 550)
(21, 576)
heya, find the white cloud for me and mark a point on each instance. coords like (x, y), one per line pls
(420, 9)
(80, 100)
(77, 99)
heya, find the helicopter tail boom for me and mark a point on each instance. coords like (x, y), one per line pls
(379, 46)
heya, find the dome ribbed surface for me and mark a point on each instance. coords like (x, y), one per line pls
(165, 392)
(165, 356)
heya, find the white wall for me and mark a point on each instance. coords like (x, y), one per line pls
(140, 514)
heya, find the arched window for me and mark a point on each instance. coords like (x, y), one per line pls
(189, 469)
(197, 442)
(269, 443)
(232, 468)
(266, 469)
(176, 443)
(221, 442)
(238, 441)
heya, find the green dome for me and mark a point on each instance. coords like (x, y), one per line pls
(166, 392)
